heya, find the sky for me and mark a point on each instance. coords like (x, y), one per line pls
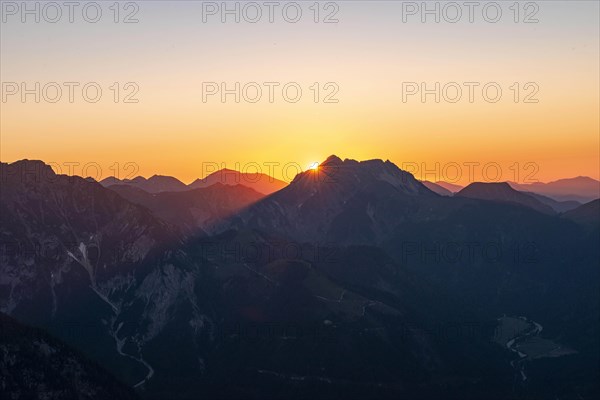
(361, 77)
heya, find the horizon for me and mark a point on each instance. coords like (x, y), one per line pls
(56, 168)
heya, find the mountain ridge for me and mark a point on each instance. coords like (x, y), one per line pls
(260, 182)
(502, 192)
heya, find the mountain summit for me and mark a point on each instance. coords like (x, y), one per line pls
(346, 201)
(260, 182)
(154, 184)
(350, 175)
(503, 192)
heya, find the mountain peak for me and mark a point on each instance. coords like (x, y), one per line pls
(332, 160)
(30, 170)
(353, 175)
(502, 192)
(137, 179)
(165, 178)
(258, 181)
(351, 201)
(154, 184)
(579, 178)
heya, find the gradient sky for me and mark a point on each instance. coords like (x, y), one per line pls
(368, 54)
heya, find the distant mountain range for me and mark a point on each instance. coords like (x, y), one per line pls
(354, 279)
(195, 209)
(437, 188)
(561, 195)
(443, 188)
(260, 182)
(503, 192)
(154, 184)
(582, 189)
(587, 214)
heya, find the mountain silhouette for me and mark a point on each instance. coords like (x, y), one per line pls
(341, 200)
(434, 187)
(193, 210)
(93, 260)
(503, 192)
(558, 206)
(260, 182)
(587, 214)
(449, 186)
(154, 184)
(582, 189)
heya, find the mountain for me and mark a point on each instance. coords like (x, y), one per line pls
(192, 210)
(260, 182)
(111, 180)
(558, 206)
(375, 231)
(343, 201)
(154, 184)
(49, 221)
(586, 214)
(354, 281)
(101, 273)
(503, 192)
(434, 187)
(35, 365)
(291, 313)
(172, 320)
(447, 189)
(582, 189)
(449, 186)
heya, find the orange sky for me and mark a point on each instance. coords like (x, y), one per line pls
(368, 55)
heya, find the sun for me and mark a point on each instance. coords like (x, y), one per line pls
(314, 166)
